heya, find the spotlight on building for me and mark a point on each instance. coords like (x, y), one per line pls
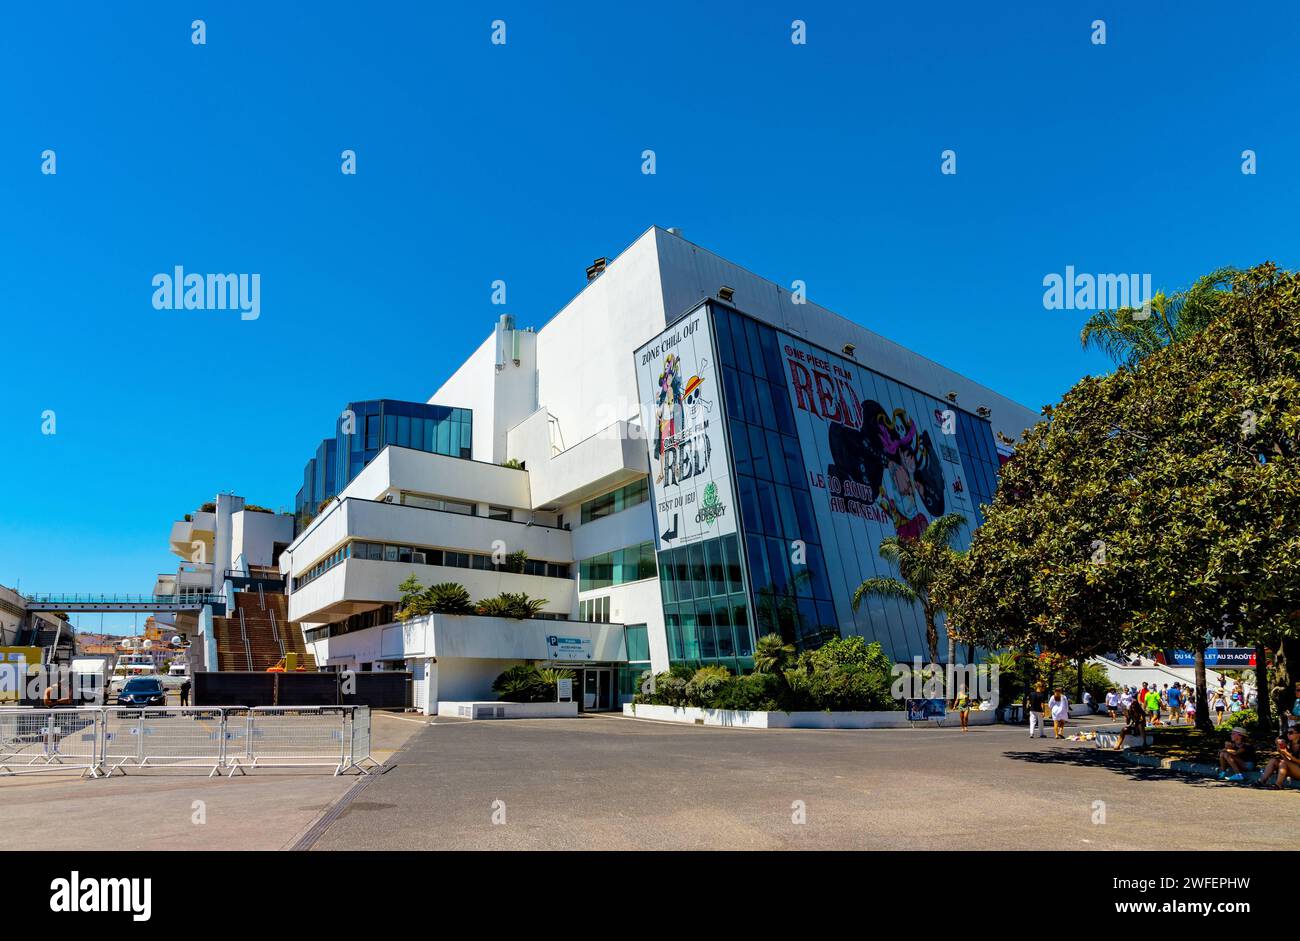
(597, 268)
(848, 349)
(725, 293)
(983, 411)
(952, 397)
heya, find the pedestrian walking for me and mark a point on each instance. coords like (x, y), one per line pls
(963, 709)
(1112, 703)
(1060, 705)
(1035, 704)
(185, 691)
(1153, 705)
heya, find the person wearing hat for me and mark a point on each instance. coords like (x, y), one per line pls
(1238, 755)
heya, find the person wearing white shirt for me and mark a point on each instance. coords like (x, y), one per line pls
(1059, 705)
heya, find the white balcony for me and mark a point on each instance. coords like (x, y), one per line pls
(614, 456)
(356, 585)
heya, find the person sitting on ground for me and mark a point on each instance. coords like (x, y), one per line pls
(1135, 724)
(1112, 703)
(1238, 755)
(1288, 753)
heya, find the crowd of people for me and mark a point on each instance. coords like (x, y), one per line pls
(1176, 704)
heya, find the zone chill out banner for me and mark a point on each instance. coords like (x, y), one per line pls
(681, 413)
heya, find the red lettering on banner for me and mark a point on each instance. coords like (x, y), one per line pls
(802, 383)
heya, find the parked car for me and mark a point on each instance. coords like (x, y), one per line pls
(142, 691)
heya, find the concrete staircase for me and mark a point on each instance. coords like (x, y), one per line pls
(263, 619)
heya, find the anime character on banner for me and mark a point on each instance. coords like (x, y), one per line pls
(669, 417)
(896, 460)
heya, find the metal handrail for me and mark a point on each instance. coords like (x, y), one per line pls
(275, 632)
(243, 632)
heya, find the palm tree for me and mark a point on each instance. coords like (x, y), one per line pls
(921, 562)
(1128, 335)
(772, 654)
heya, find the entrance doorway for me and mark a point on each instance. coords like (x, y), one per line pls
(597, 689)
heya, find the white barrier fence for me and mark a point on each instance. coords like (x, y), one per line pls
(104, 740)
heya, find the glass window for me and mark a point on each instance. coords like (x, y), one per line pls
(758, 452)
(735, 401)
(666, 581)
(731, 547)
(713, 557)
(704, 626)
(722, 627)
(776, 458)
(740, 448)
(682, 575)
(390, 553)
(740, 622)
(699, 576)
(646, 567)
(673, 628)
(637, 641)
(498, 512)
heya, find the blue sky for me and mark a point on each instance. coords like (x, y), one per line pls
(522, 162)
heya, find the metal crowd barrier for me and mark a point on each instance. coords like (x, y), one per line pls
(108, 740)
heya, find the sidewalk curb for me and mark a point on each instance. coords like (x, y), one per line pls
(1191, 767)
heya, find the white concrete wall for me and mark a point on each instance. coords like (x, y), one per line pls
(472, 386)
(395, 469)
(466, 679)
(492, 709)
(584, 352)
(744, 719)
(254, 535)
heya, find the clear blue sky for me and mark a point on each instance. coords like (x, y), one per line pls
(522, 162)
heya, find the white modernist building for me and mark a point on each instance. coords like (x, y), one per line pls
(689, 456)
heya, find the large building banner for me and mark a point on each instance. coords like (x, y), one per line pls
(685, 432)
(881, 460)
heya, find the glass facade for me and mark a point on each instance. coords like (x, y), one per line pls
(637, 641)
(425, 555)
(706, 612)
(366, 428)
(787, 570)
(629, 564)
(616, 500)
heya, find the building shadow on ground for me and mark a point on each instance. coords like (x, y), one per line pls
(1086, 756)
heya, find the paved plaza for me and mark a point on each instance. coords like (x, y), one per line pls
(608, 782)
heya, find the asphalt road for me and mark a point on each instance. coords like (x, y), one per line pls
(607, 782)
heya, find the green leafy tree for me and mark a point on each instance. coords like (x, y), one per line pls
(1155, 506)
(922, 563)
